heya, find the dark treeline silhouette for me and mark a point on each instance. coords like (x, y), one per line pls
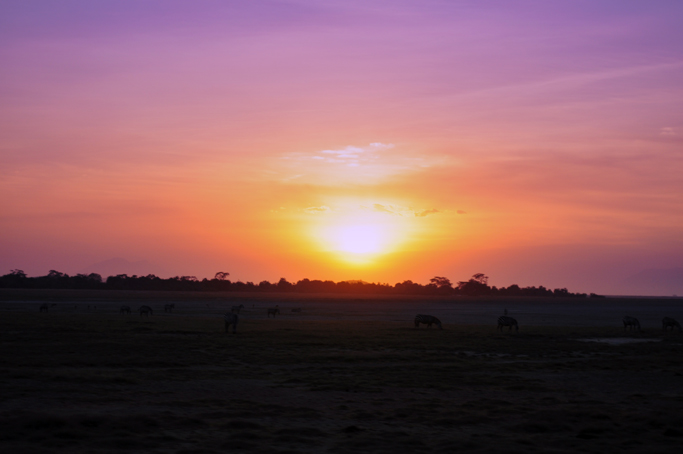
(477, 285)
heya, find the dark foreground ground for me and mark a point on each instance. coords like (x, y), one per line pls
(81, 379)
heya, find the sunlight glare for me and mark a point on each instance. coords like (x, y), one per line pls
(359, 239)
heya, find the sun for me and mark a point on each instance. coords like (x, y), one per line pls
(356, 234)
(359, 239)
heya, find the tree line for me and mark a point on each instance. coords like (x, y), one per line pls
(477, 285)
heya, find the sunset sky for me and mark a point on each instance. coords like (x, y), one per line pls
(538, 142)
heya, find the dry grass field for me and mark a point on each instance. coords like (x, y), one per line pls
(347, 374)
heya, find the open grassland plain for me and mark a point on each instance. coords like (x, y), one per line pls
(346, 374)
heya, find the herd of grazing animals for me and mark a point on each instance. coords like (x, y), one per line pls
(232, 318)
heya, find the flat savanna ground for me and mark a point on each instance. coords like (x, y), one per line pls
(347, 374)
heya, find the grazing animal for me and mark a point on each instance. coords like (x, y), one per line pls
(273, 310)
(237, 309)
(231, 319)
(670, 322)
(146, 310)
(296, 309)
(125, 309)
(427, 320)
(44, 307)
(632, 323)
(169, 307)
(507, 321)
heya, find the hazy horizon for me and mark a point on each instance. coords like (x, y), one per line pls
(536, 142)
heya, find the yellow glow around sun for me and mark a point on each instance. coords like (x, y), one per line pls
(361, 237)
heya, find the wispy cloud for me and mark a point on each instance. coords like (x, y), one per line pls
(424, 213)
(403, 211)
(392, 210)
(353, 156)
(352, 164)
(574, 80)
(317, 210)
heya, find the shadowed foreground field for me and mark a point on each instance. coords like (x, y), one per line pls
(176, 383)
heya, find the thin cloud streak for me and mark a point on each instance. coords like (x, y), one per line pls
(351, 165)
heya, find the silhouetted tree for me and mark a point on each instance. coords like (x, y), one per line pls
(19, 274)
(477, 285)
(266, 286)
(409, 287)
(283, 285)
(15, 279)
(562, 292)
(441, 282)
(442, 285)
(481, 278)
(513, 290)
